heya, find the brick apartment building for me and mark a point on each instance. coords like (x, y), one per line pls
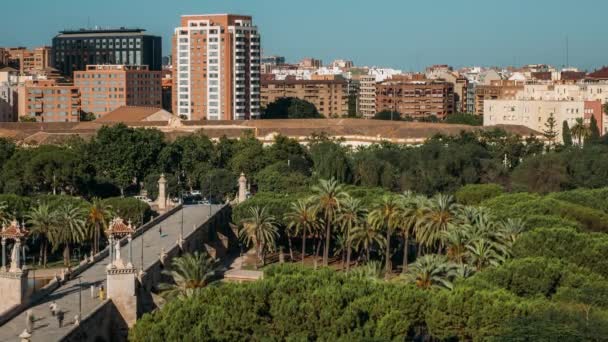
(329, 94)
(104, 88)
(29, 61)
(49, 101)
(216, 69)
(496, 90)
(416, 98)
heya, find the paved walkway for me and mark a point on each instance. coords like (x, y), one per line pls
(46, 327)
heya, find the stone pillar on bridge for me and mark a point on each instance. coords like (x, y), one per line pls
(13, 279)
(242, 188)
(162, 193)
(121, 275)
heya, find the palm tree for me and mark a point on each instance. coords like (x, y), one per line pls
(364, 237)
(70, 229)
(42, 222)
(483, 253)
(439, 216)
(386, 217)
(259, 229)
(303, 219)
(351, 216)
(190, 273)
(431, 270)
(373, 270)
(328, 194)
(98, 216)
(512, 228)
(5, 216)
(456, 240)
(580, 131)
(411, 212)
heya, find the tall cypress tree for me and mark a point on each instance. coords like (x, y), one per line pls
(594, 132)
(566, 134)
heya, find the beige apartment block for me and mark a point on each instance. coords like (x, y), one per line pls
(367, 96)
(328, 93)
(104, 88)
(496, 90)
(535, 113)
(216, 68)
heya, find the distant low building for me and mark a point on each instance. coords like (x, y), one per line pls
(496, 90)
(416, 98)
(104, 88)
(49, 101)
(535, 113)
(329, 94)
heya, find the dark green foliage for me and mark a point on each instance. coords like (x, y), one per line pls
(594, 132)
(295, 303)
(277, 205)
(387, 115)
(526, 205)
(151, 185)
(566, 134)
(543, 174)
(123, 154)
(130, 209)
(218, 184)
(281, 178)
(583, 249)
(290, 108)
(592, 198)
(330, 160)
(464, 119)
(474, 194)
(352, 105)
(17, 206)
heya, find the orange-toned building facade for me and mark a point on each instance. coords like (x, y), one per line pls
(30, 60)
(415, 98)
(49, 101)
(216, 68)
(104, 88)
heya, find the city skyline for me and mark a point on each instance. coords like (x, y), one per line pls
(414, 35)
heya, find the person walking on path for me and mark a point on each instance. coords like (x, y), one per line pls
(102, 293)
(53, 308)
(29, 321)
(59, 315)
(160, 231)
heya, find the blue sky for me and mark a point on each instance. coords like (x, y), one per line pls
(407, 34)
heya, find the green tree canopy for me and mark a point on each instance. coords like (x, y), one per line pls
(291, 108)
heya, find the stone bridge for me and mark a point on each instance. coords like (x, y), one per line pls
(130, 295)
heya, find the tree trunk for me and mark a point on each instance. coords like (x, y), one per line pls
(343, 260)
(389, 267)
(348, 255)
(406, 244)
(318, 247)
(366, 254)
(44, 253)
(66, 255)
(290, 248)
(326, 247)
(303, 246)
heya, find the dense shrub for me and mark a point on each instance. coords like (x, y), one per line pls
(130, 209)
(583, 249)
(473, 194)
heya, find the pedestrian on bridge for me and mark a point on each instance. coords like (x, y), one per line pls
(60, 314)
(53, 308)
(29, 321)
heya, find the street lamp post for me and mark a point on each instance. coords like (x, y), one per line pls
(79, 297)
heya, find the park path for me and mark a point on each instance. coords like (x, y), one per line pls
(46, 327)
